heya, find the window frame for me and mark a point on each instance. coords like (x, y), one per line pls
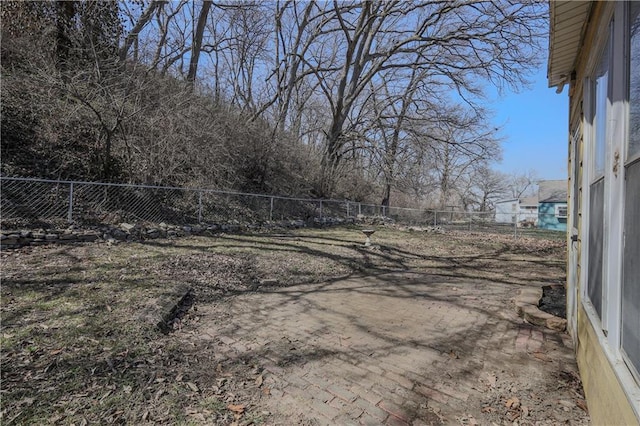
(608, 327)
(558, 207)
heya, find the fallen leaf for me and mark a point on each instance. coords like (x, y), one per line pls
(145, 416)
(127, 389)
(525, 411)
(512, 402)
(473, 421)
(488, 409)
(266, 391)
(453, 354)
(159, 394)
(541, 356)
(179, 378)
(514, 415)
(236, 408)
(56, 351)
(259, 380)
(582, 405)
(193, 386)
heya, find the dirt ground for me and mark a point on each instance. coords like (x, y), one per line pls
(305, 327)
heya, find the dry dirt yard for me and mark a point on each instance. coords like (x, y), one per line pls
(302, 327)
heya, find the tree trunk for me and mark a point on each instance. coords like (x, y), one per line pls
(197, 43)
(135, 31)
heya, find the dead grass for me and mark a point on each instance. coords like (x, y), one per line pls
(76, 351)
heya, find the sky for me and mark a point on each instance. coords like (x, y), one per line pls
(534, 126)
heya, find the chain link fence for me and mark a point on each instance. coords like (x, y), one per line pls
(39, 203)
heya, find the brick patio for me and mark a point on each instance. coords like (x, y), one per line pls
(391, 349)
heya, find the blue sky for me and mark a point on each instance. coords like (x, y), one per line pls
(534, 126)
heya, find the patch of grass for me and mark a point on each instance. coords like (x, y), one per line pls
(75, 350)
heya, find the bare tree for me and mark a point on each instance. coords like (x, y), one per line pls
(522, 185)
(459, 43)
(196, 43)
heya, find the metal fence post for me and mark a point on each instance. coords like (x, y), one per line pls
(384, 211)
(199, 206)
(321, 214)
(359, 209)
(70, 211)
(470, 219)
(348, 209)
(271, 210)
(435, 218)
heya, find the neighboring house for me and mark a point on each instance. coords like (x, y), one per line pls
(595, 51)
(524, 211)
(552, 205)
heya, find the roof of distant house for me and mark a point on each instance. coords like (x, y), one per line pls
(529, 201)
(552, 191)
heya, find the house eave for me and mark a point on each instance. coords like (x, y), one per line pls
(567, 22)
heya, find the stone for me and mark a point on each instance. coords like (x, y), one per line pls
(535, 316)
(119, 234)
(8, 241)
(51, 237)
(556, 323)
(127, 227)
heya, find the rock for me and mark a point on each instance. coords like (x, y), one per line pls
(9, 241)
(556, 323)
(127, 227)
(119, 234)
(51, 237)
(89, 237)
(535, 316)
(269, 282)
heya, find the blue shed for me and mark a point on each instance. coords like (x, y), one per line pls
(552, 205)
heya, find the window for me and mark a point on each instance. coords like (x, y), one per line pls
(611, 188)
(600, 117)
(630, 334)
(561, 211)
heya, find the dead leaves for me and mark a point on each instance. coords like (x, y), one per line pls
(542, 356)
(515, 409)
(259, 380)
(582, 404)
(512, 402)
(236, 408)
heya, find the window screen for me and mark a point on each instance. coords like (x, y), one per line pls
(631, 266)
(601, 90)
(634, 81)
(596, 231)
